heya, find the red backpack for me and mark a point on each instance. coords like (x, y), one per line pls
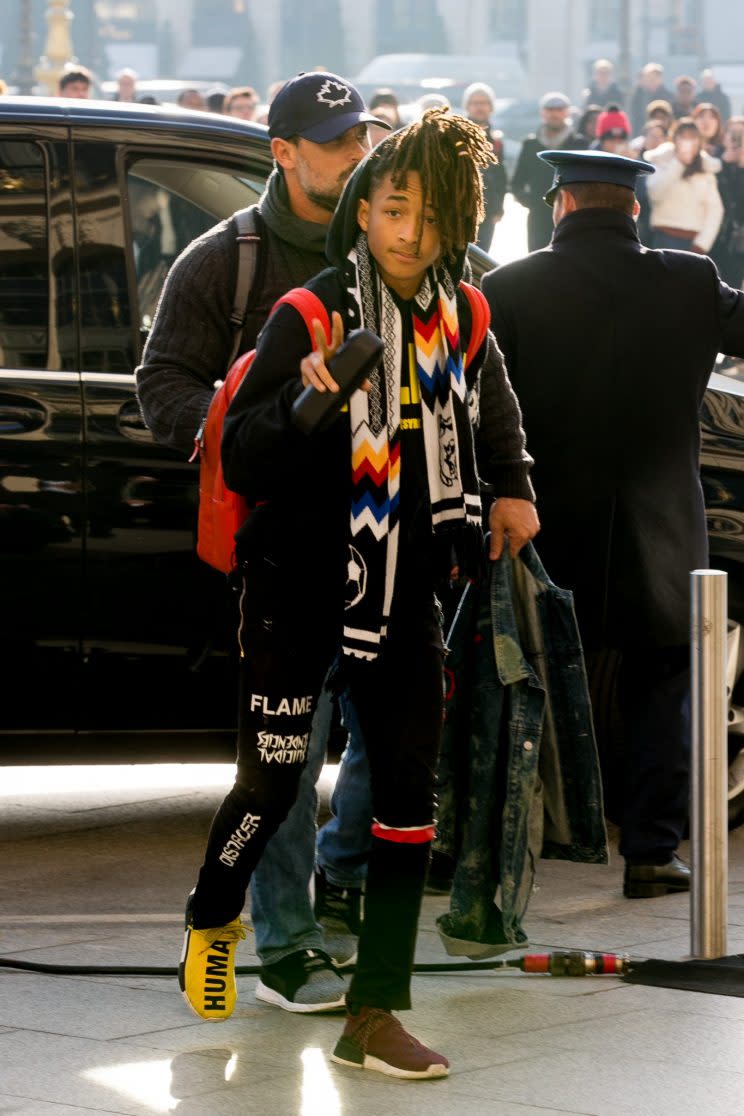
(221, 511)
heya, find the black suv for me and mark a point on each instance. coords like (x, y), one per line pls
(109, 621)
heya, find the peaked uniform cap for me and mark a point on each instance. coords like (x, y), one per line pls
(592, 166)
(319, 107)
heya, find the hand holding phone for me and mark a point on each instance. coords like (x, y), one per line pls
(348, 368)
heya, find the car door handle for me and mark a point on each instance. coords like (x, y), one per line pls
(21, 416)
(131, 424)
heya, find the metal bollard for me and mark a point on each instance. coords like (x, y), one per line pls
(709, 765)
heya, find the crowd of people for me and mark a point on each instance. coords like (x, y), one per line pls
(686, 129)
(695, 201)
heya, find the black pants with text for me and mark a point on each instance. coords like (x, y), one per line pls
(286, 652)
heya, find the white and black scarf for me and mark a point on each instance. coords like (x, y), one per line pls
(375, 440)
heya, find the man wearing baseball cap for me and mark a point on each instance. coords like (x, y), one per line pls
(318, 130)
(531, 177)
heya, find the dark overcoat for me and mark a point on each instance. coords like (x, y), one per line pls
(609, 346)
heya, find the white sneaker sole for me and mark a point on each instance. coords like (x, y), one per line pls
(271, 996)
(371, 1063)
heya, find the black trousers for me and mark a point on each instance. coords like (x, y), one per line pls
(287, 647)
(654, 702)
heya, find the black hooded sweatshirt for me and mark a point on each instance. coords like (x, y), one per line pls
(303, 482)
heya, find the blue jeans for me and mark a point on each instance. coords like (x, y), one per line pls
(343, 843)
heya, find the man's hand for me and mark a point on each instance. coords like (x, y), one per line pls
(515, 519)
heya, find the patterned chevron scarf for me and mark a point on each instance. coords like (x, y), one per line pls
(375, 441)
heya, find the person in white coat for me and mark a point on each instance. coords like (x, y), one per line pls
(686, 207)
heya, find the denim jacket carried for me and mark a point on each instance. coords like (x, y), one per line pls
(519, 773)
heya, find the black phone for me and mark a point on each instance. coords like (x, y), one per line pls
(361, 351)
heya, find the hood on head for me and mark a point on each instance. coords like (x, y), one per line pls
(344, 228)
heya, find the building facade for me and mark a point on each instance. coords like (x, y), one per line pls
(258, 42)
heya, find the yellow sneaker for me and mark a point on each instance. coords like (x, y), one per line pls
(206, 974)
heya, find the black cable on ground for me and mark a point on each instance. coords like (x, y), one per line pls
(240, 970)
(559, 962)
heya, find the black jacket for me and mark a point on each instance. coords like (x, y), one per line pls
(609, 346)
(532, 177)
(640, 100)
(530, 182)
(612, 95)
(303, 482)
(717, 97)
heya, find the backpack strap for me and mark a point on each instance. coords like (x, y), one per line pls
(309, 306)
(480, 319)
(248, 223)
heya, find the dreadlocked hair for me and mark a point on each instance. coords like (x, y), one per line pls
(447, 150)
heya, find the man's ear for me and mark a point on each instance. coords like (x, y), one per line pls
(569, 202)
(636, 209)
(363, 214)
(284, 152)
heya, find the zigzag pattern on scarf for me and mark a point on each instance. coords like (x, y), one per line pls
(431, 365)
(376, 483)
(376, 437)
(451, 333)
(438, 358)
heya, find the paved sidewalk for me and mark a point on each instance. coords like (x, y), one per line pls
(99, 876)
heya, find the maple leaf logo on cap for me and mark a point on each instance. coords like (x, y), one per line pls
(325, 94)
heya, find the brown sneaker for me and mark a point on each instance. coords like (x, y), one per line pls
(375, 1040)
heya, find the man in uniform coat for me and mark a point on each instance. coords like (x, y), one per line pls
(609, 346)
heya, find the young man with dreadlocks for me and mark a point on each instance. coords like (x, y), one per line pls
(352, 531)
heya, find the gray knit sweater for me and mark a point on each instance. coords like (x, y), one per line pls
(191, 337)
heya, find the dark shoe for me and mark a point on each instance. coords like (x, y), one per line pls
(306, 981)
(374, 1039)
(643, 881)
(339, 912)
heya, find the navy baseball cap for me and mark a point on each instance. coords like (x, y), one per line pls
(318, 106)
(592, 166)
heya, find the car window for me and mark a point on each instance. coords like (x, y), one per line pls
(170, 203)
(24, 256)
(107, 340)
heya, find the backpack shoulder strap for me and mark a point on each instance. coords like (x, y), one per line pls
(248, 225)
(309, 306)
(480, 315)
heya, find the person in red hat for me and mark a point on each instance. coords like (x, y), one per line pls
(613, 131)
